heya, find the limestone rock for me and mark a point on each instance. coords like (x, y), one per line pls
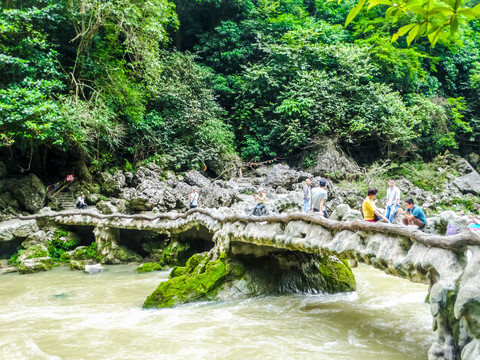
(38, 238)
(112, 185)
(194, 178)
(34, 265)
(469, 183)
(14, 229)
(150, 194)
(77, 265)
(283, 176)
(151, 172)
(114, 206)
(94, 269)
(226, 278)
(30, 193)
(9, 203)
(327, 158)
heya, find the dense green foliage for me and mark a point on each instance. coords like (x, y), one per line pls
(190, 84)
(58, 245)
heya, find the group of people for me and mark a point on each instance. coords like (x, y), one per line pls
(314, 200)
(412, 215)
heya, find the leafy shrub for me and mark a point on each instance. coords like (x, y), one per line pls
(57, 246)
(14, 258)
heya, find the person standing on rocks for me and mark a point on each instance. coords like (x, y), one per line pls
(307, 195)
(369, 210)
(319, 195)
(413, 215)
(260, 199)
(393, 200)
(81, 204)
(193, 198)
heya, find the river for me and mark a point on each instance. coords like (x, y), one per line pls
(63, 314)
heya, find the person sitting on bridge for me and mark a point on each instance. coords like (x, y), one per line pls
(81, 204)
(393, 200)
(413, 215)
(260, 199)
(474, 223)
(369, 210)
(319, 195)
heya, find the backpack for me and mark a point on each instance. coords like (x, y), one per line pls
(451, 230)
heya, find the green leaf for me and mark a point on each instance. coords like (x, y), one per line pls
(404, 29)
(454, 25)
(440, 10)
(373, 3)
(412, 34)
(469, 13)
(433, 37)
(354, 12)
(450, 2)
(417, 10)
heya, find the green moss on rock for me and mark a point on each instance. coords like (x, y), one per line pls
(337, 275)
(149, 267)
(200, 280)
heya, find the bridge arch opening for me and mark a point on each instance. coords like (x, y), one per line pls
(171, 248)
(85, 232)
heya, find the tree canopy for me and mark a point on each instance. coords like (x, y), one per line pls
(188, 84)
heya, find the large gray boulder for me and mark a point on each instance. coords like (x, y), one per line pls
(194, 178)
(151, 172)
(283, 176)
(30, 193)
(469, 183)
(152, 194)
(112, 184)
(327, 158)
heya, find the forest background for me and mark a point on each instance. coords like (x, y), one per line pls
(88, 85)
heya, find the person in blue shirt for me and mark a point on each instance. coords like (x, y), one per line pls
(413, 215)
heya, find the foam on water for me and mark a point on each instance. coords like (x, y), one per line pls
(70, 315)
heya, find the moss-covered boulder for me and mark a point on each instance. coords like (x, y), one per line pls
(200, 281)
(35, 265)
(149, 267)
(206, 277)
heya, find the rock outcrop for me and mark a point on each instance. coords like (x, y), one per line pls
(328, 160)
(469, 183)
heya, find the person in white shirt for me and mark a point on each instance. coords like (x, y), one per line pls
(393, 200)
(81, 204)
(193, 198)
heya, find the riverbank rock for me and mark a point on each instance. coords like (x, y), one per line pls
(34, 265)
(13, 233)
(94, 269)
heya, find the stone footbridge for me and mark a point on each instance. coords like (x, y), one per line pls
(449, 265)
